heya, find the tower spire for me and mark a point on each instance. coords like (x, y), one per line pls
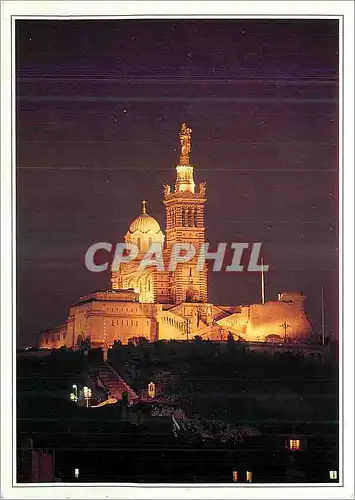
(185, 223)
(185, 171)
(144, 207)
(185, 140)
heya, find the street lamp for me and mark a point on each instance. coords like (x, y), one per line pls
(75, 387)
(285, 325)
(87, 395)
(188, 327)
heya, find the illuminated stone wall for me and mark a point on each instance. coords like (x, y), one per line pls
(258, 321)
(270, 318)
(104, 321)
(54, 339)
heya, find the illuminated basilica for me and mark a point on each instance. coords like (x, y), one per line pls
(163, 305)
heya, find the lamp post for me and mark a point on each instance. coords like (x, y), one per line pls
(188, 327)
(285, 325)
(75, 387)
(87, 395)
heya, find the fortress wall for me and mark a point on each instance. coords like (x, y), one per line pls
(257, 321)
(171, 326)
(236, 323)
(105, 321)
(119, 328)
(266, 319)
(95, 327)
(54, 339)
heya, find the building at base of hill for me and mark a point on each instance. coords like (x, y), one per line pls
(173, 304)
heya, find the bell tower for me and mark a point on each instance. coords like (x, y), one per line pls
(185, 224)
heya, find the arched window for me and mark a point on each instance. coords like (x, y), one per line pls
(184, 217)
(190, 217)
(195, 217)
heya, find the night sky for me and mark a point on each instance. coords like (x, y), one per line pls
(99, 107)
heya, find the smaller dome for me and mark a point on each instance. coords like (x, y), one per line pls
(144, 231)
(145, 223)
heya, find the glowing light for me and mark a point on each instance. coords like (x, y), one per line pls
(235, 476)
(295, 444)
(249, 476)
(151, 390)
(87, 394)
(333, 474)
(76, 473)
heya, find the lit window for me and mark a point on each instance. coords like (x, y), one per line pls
(333, 474)
(76, 473)
(235, 476)
(294, 444)
(249, 476)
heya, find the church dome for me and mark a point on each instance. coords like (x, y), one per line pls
(145, 223)
(144, 231)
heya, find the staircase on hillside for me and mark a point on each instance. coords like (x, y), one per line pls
(114, 383)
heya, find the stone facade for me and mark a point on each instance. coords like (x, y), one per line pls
(173, 304)
(104, 317)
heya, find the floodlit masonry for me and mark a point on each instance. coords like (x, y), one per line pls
(172, 302)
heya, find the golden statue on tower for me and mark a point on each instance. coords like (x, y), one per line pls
(185, 140)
